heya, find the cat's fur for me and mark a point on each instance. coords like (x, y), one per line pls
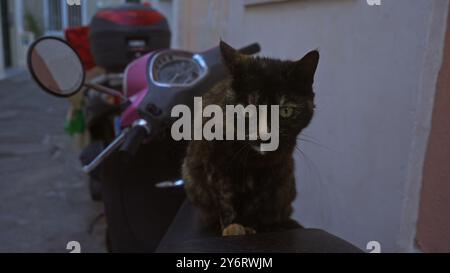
(237, 188)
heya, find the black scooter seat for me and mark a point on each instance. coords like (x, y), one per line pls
(186, 235)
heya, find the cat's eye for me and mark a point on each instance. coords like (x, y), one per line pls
(287, 112)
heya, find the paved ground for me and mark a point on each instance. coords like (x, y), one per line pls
(44, 198)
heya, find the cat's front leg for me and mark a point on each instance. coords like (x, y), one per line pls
(228, 212)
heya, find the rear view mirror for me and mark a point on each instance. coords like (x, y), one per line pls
(56, 67)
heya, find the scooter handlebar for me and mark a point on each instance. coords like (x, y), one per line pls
(134, 140)
(128, 143)
(135, 137)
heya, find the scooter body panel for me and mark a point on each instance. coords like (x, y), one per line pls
(131, 114)
(135, 78)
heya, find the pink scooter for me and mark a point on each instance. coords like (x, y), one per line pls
(145, 203)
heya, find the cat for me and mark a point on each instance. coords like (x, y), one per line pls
(239, 189)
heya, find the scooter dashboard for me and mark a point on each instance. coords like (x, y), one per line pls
(177, 69)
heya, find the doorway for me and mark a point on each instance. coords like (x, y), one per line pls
(4, 9)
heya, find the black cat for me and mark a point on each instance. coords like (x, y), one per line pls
(238, 188)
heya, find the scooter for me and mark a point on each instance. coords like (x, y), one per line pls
(145, 204)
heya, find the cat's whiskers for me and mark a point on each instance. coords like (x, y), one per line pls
(308, 136)
(309, 162)
(312, 142)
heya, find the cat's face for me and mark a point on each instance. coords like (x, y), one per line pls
(264, 81)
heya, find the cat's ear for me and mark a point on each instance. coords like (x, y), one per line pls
(231, 56)
(307, 66)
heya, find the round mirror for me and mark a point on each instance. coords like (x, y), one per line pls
(56, 67)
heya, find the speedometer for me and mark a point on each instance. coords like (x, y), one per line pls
(177, 68)
(179, 72)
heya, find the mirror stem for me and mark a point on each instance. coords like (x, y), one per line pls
(106, 90)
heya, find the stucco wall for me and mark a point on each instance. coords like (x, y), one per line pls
(378, 63)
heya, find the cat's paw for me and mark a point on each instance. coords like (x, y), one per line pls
(250, 231)
(234, 230)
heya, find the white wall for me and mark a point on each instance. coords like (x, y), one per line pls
(375, 87)
(166, 8)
